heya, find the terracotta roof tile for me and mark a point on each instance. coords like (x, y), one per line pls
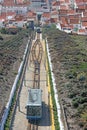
(7, 14)
(47, 15)
(84, 13)
(82, 30)
(54, 13)
(84, 24)
(74, 21)
(67, 1)
(63, 7)
(11, 26)
(84, 19)
(31, 14)
(71, 11)
(55, 3)
(85, 0)
(64, 21)
(74, 16)
(19, 1)
(81, 6)
(63, 12)
(53, 20)
(79, 1)
(8, 3)
(19, 18)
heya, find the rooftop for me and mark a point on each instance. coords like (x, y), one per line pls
(35, 97)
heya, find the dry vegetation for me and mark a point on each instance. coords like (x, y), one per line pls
(69, 58)
(12, 48)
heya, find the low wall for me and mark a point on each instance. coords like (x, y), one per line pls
(55, 90)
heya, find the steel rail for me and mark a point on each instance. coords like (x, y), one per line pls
(36, 82)
(37, 61)
(32, 125)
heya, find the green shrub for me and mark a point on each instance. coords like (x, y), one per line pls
(71, 74)
(1, 38)
(84, 93)
(82, 100)
(81, 124)
(75, 102)
(72, 94)
(80, 108)
(82, 78)
(3, 31)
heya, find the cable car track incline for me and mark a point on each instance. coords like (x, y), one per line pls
(36, 58)
(32, 126)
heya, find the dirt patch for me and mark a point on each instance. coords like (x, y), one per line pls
(11, 53)
(69, 56)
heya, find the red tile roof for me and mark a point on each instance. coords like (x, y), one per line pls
(24, 3)
(67, 1)
(81, 6)
(31, 14)
(63, 12)
(55, 3)
(2, 18)
(79, 1)
(74, 16)
(19, 1)
(8, 3)
(64, 20)
(70, 26)
(81, 30)
(85, 0)
(67, 26)
(86, 6)
(5, 15)
(19, 18)
(47, 22)
(84, 24)
(47, 15)
(11, 26)
(53, 20)
(71, 11)
(54, 13)
(74, 21)
(85, 14)
(63, 7)
(84, 19)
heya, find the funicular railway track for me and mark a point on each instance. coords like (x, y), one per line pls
(37, 61)
(36, 52)
(32, 126)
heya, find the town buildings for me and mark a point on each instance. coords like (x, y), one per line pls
(68, 15)
(72, 18)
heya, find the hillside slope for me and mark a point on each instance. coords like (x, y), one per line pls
(11, 53)
(69, 59)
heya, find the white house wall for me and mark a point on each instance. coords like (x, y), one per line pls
(15, 9)
(1, 23)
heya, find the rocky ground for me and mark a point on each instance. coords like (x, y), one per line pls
(11, 52)
(69, 58)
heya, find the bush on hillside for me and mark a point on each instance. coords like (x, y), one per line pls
(1, 38)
